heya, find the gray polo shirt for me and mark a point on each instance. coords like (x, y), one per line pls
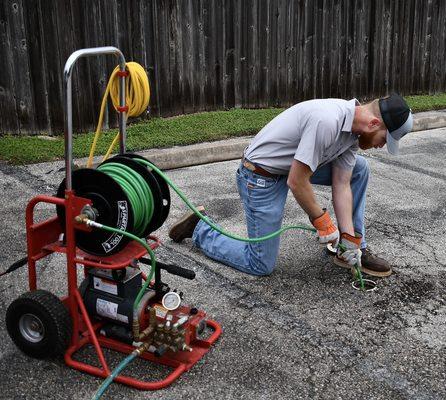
(314, 132)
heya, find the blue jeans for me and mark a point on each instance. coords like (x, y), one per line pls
(264, 201)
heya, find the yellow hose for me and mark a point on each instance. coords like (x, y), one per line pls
(137, 97)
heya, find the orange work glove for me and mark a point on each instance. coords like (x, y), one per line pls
(326, 230)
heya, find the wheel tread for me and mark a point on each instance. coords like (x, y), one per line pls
(57, 312)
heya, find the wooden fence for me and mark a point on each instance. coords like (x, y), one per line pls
(215, 54)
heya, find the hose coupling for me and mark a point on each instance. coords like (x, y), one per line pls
(81, 219)
(146, 332)
(88, 213)
(141, 349)
(91, 212)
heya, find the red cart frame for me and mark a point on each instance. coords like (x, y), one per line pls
(44, 238)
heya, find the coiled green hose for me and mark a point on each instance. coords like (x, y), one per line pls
(138, 192)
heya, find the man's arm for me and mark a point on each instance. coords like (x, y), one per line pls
(300, 185)
(343, 199)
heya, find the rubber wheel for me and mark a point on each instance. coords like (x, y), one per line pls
(39, 324)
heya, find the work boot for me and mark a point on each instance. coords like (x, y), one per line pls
(184, 227)
(374, 265)
(371, 264)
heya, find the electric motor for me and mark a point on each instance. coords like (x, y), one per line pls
(109, 297)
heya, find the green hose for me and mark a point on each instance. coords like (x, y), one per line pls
(358, 273)
(222, 231)
(359, 276)
(213, 225)
(138, 192)
(140, 241)
(114, 374)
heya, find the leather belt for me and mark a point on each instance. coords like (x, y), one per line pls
(256, 169)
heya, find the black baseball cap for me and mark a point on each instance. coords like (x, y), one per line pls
(397, 117)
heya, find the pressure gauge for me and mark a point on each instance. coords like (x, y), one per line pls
(171, 301)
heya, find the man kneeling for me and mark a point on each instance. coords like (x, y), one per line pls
(313, 142)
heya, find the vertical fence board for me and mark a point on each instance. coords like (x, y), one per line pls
(19, 60)
(252, 81)
(338, 48)
(176, 57)
(228, 66)
(37, 66)
(209, 53)
(84, 87)
(201, 75)
(8, 113)
(151, 28)
(219, 46)
(272, 51)
(300, 20)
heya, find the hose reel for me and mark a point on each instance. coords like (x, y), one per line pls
(126, 195)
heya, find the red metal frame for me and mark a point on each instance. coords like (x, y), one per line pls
(43, 239)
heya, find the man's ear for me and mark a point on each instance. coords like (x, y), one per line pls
(374, 123)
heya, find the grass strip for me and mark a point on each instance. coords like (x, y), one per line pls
(166, 132)
(154, 133)
(427, 102)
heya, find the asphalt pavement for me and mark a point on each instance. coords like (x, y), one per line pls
(301, 333)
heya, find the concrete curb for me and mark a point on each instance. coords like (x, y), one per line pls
(201, 153)
(232, 149)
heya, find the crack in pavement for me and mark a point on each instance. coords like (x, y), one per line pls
(395, 381)
(395, 233)
(25, 177)
(406, 166)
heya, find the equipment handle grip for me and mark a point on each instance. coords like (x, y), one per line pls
(172, 269)
(176, 270)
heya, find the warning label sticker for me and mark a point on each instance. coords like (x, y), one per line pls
(107, 309)
(160, 311)
(105, 286)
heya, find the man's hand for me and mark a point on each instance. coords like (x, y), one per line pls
(348, 249)
(326, 230)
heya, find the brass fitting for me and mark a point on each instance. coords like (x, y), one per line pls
(152, 319)
(152, 325)
(185, 347)
(135, 328)
(81, 219)
(146, 332)
(141, 349)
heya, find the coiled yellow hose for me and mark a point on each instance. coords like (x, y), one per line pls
(137, 97)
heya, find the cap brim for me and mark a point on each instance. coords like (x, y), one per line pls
(392, 143)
